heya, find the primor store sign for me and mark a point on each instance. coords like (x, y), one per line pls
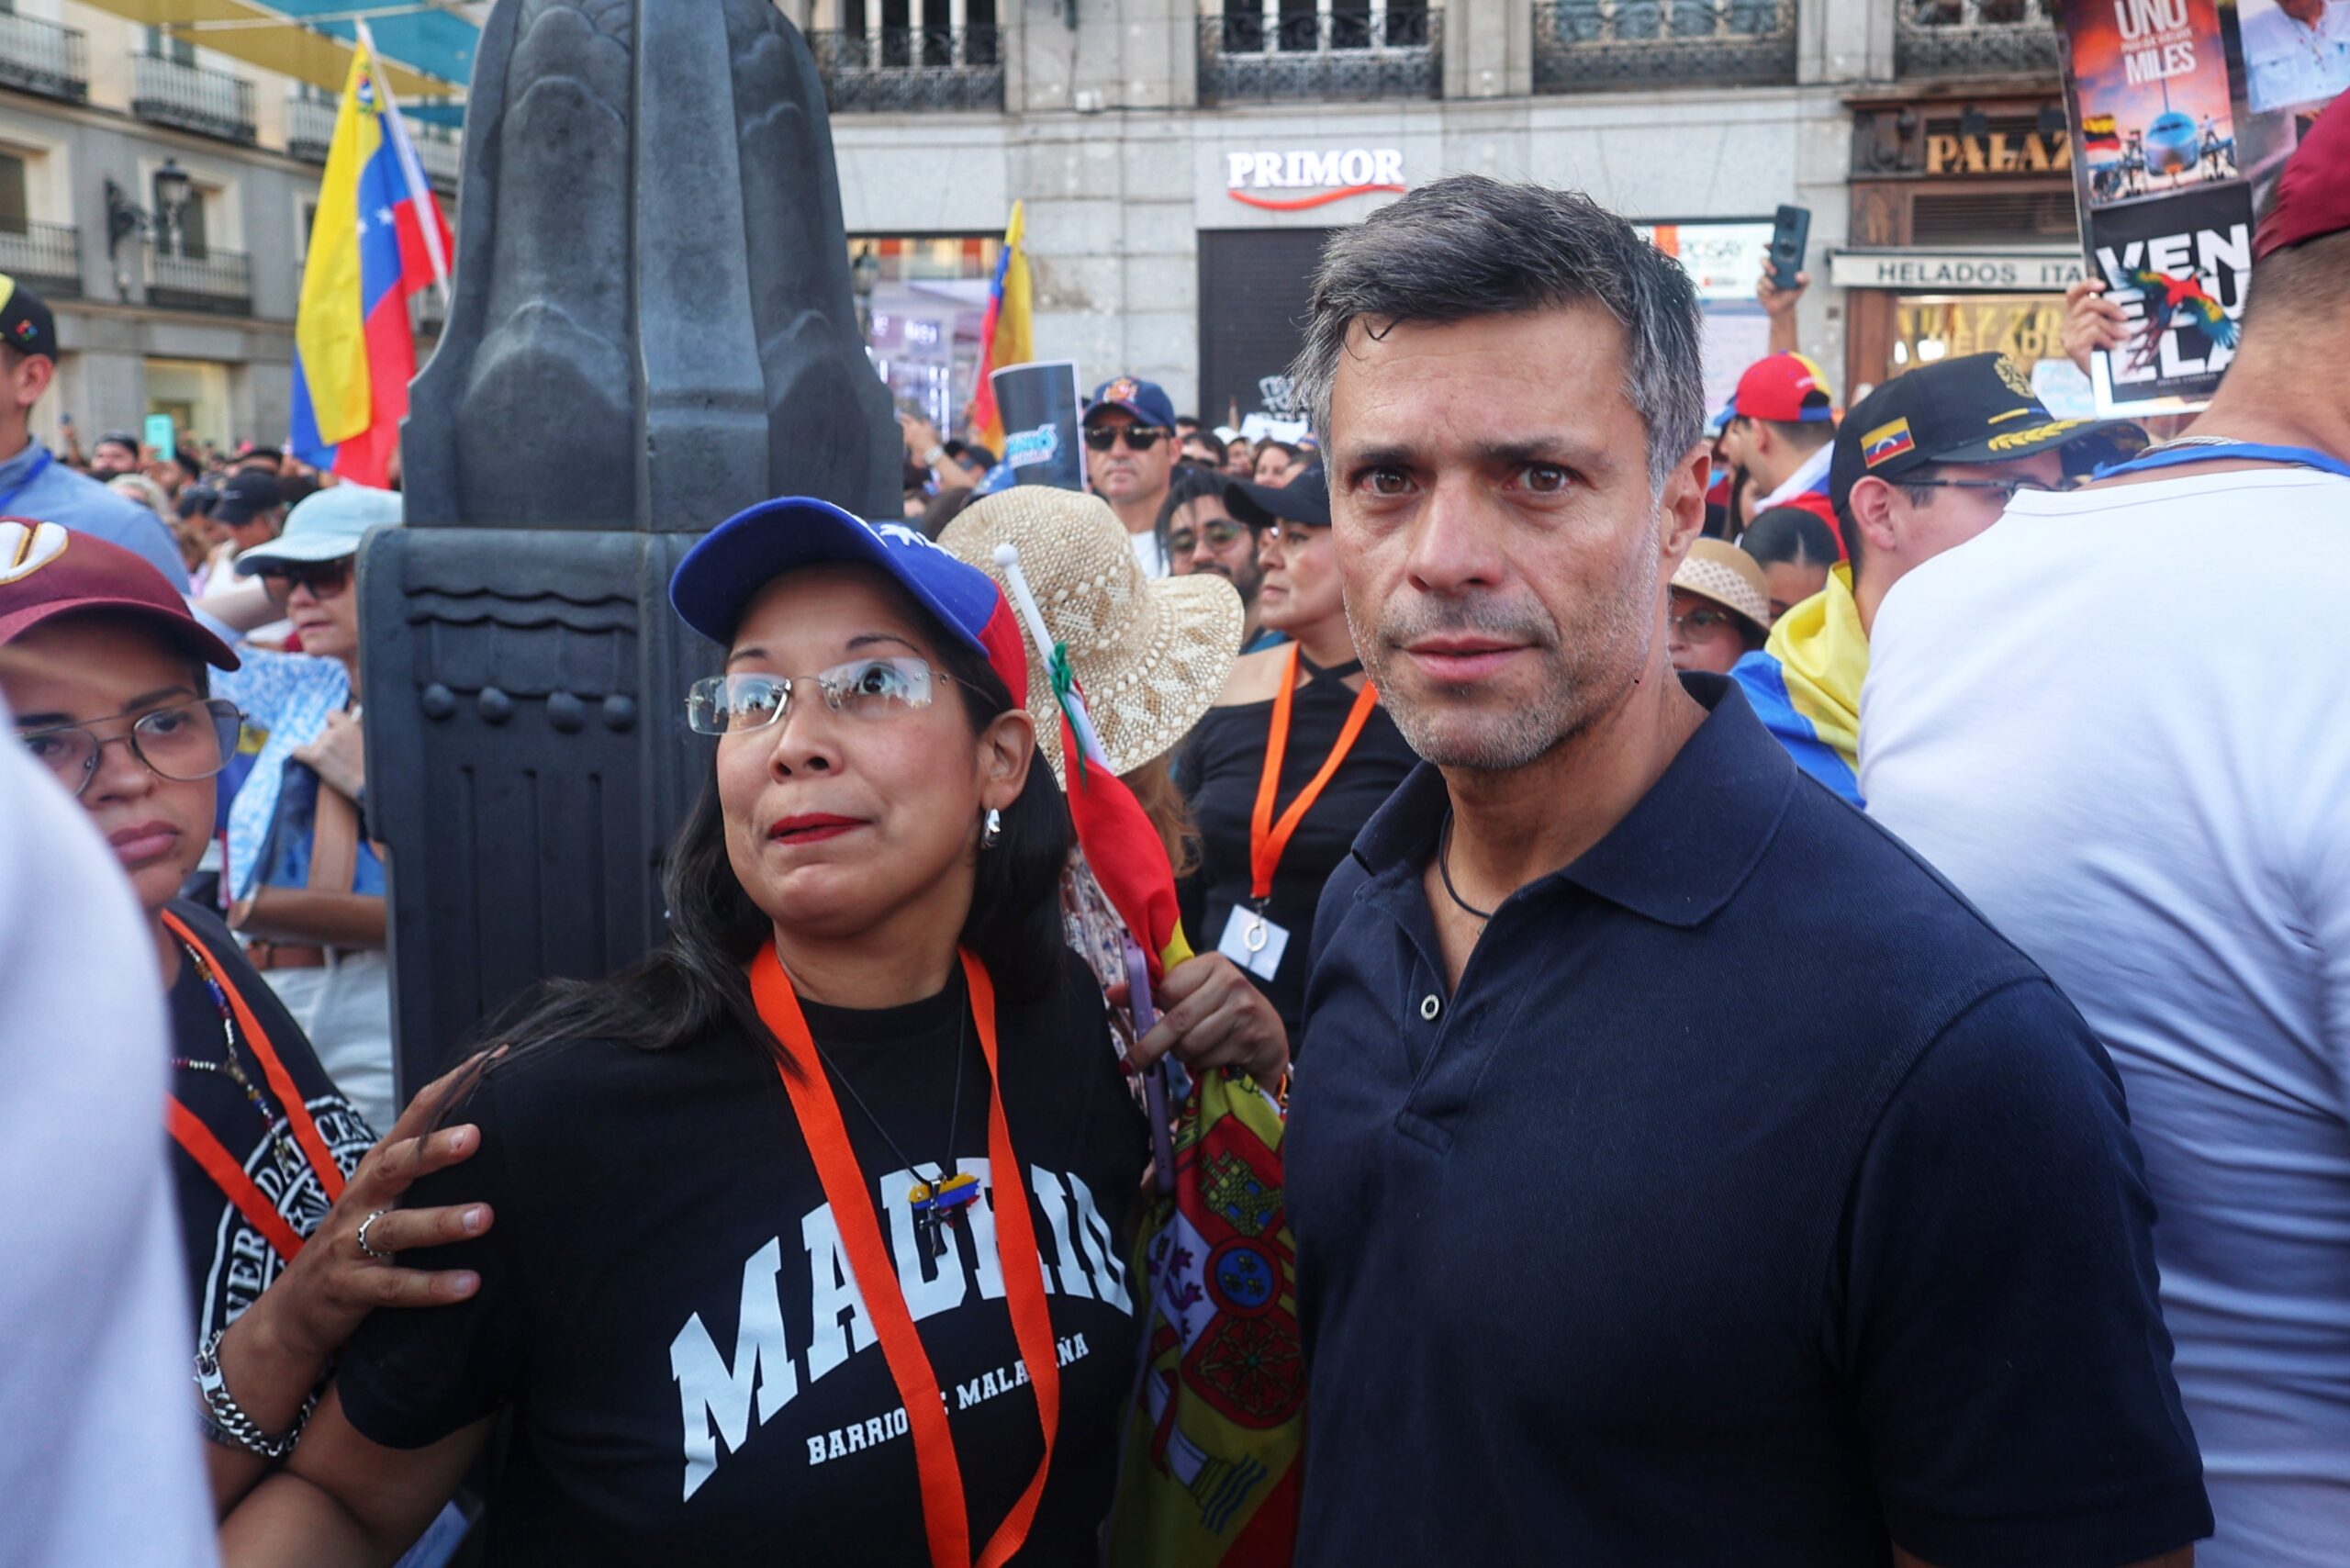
(1320, 177)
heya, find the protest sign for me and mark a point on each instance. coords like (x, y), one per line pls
(1039, 406)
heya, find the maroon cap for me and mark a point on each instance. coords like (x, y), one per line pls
(2313, 194)
(47, 570)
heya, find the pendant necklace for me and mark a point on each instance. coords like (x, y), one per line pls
(1444, 872)
(936, 1200)
(230, 1068)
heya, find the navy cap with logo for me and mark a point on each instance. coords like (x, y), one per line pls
(26, 324)
(1979, 409)
(1305, 498)
(1146, 400)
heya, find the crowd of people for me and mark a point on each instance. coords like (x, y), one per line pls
(1806, 951)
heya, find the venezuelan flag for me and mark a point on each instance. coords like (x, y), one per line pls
(378, 238)
(1006, 336)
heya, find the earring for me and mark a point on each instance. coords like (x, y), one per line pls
(990, 828)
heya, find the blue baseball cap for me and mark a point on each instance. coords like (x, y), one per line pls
(1146, 400)
(720, 576)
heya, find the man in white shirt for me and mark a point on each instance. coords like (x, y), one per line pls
(100, 1462)
(2117, 722)
(2295, 52)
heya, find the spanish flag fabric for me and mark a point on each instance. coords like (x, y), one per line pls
(1804, 684)
(1006, 334)
(1209, 1474)
(378, 237)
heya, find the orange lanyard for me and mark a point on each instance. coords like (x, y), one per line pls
(1268, 838)
(226, 1171)
(943, 1515)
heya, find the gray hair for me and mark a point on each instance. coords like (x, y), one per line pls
(1468, 246)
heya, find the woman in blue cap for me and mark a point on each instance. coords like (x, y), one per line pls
(809, 1238)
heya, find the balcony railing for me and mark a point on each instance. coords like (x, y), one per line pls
(1582, 45)
(217, 281)
(1974, 38)
(1352, 50)
(910, 68)
(210, 103)
(41, 57)
(48, 256)
(439, 151)
(309, 127)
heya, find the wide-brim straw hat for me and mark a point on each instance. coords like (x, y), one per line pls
(1720, 571)
(1150, 656)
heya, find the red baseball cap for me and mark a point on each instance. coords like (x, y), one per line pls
(47, 570)
(1786, 388)
(2313, 194)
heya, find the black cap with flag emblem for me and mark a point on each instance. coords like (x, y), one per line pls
(1977, 408)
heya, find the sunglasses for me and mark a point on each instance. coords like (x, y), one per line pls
(2009, 488)
(184, 743)
(323, 578)
(864, 689)
(1138, 438)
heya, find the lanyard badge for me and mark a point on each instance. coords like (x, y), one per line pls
(946, 1523)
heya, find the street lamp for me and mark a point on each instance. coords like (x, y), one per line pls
(126, 217)
(172, 190)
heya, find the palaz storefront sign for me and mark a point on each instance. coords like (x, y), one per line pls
(1957, 271)
(1327, 176)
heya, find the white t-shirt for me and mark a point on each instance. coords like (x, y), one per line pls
(1148, 554)
(99, 1463)
(2119, 722)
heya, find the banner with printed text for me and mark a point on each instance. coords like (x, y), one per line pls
(2182, 113)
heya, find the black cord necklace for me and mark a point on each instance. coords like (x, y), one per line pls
(930, 1213)
(1444, 870)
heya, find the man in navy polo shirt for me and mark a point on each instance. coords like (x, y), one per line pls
(1682, 1173)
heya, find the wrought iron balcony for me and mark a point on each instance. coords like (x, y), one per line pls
(440, 150)
(48, 256)
(41, 57)
(309, 127)
(1974, 38)
(211, 280)
(906, 69)
(1359, 49)
(210, 103)
(1585, 45)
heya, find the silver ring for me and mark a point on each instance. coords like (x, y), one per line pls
(379, 1257)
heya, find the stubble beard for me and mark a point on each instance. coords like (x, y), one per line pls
(1587, 667)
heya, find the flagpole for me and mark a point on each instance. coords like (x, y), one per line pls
(1138, 998)
(410, 171)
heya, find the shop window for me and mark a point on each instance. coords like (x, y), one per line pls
(14, 209)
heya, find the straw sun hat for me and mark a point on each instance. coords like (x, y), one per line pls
(1720, 571)
(1151, 656)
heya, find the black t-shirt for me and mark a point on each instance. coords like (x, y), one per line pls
(1221, 766)
(666, 1307)
(229, 1261)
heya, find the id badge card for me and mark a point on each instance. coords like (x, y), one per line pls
(1253, 942)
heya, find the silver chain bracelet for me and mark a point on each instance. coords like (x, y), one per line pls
(230, 1426)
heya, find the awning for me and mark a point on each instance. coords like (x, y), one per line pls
(428, 48)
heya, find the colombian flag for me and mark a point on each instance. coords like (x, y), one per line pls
(1005, 336)
(2099, 134)
(378, 239)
